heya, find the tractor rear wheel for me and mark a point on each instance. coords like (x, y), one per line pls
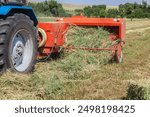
(18, 44)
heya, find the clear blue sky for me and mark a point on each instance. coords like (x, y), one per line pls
(91, 2)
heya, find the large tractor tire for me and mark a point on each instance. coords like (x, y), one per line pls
(18, 44)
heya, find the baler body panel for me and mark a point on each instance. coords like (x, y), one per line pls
(113, 25)
(55, 32)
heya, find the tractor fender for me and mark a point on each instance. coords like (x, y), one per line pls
(9, 10)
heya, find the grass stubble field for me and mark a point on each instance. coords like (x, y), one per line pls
(129, 80)
(72, 7)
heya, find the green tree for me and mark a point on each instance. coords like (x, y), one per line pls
(102, 13)
(122, 11)
(49, 8)
(112, 13)
(138, 13)
(78, 11)
(88, 11)
(144, 4)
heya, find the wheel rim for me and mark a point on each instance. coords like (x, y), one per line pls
(21, 50)
(120, 57)
(120, 54)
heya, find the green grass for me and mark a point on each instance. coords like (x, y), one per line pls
(54, 79)
(46, 19)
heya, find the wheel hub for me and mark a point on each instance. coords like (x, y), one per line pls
(18, 51)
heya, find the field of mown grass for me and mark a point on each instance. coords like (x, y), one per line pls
(138, 24)
(72, 7)
(46, 19)
(111, 81)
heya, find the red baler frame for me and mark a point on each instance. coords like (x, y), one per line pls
(101, 22)
(55, 33)
(116, 27)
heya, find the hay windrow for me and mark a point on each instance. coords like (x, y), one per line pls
(79, 64)
(88, 37)
(138, 90)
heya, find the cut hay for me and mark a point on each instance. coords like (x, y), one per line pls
(53, 78)
(138, 90)
(79, 64)
(88, 37)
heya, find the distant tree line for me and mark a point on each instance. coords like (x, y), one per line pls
(135, 10)
(49, 8)
(128, 10)
(99, 11)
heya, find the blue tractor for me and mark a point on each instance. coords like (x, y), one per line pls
(18, 36)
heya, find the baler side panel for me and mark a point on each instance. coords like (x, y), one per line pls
(55, 32)
(122, 31)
